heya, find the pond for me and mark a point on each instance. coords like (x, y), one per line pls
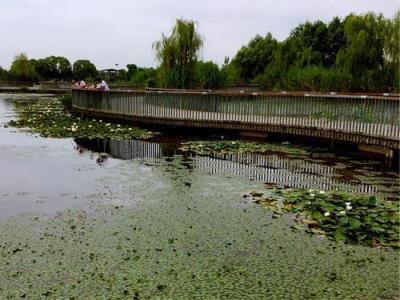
(123, 218)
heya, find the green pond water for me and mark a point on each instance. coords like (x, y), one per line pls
(128, 219)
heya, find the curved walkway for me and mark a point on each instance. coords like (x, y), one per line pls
(372, 120)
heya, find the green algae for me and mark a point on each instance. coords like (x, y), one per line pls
(238, 147)
(49, 119)
(182, 241)
(164, 230)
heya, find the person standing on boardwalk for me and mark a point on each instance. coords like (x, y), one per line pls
(102, 85)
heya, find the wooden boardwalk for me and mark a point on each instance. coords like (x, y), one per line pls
(370, 120)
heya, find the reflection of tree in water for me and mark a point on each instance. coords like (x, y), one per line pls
(272, 169)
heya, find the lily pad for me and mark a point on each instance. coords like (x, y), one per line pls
(238, 147)
(352, 218)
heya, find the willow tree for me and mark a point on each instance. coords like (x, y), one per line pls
(22, 69)
(392, 50)
(178, 54)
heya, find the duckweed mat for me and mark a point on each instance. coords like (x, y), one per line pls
(171, 232)
(49, 119)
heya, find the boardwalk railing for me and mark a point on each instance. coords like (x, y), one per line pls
(372, 120)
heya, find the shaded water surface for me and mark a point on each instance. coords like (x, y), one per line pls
(140, 219)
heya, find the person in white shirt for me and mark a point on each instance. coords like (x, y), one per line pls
(102, 85)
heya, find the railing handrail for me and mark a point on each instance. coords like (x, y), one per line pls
(392, 97)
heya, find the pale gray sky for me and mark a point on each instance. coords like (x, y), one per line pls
(122, 31)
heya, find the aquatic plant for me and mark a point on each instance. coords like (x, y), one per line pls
(66, 100)
(237, 147)
(341, 216)
(48, 119)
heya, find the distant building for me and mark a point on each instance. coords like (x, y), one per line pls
(110, 74)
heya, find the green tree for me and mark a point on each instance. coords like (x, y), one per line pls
(360, 53)
(22, 69)
(309, 43)
(392, 52)
(84, 69)
(274, 76)
(132, 68)
(144, 77)
(208, 75)
(392, 41)
(53, 68)
(252, 59)
(363, 56)
(229, 72)
(3, 74)
(178, 54)
(335, 41)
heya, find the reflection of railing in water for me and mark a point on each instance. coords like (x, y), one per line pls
(263, 168)
(131, 149)
(372, 120)
(124, 149)
(277, 162)
(280, 177)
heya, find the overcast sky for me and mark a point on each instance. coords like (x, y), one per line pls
(122, 31)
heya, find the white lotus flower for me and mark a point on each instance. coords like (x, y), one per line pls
(310, 190)
(327, 214)
(348, 203)
(342, 213)
(322, 192)
(312, 195)
(349, 207)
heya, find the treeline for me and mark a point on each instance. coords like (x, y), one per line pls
(359, 53)
(57, 68)
(52, 68)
